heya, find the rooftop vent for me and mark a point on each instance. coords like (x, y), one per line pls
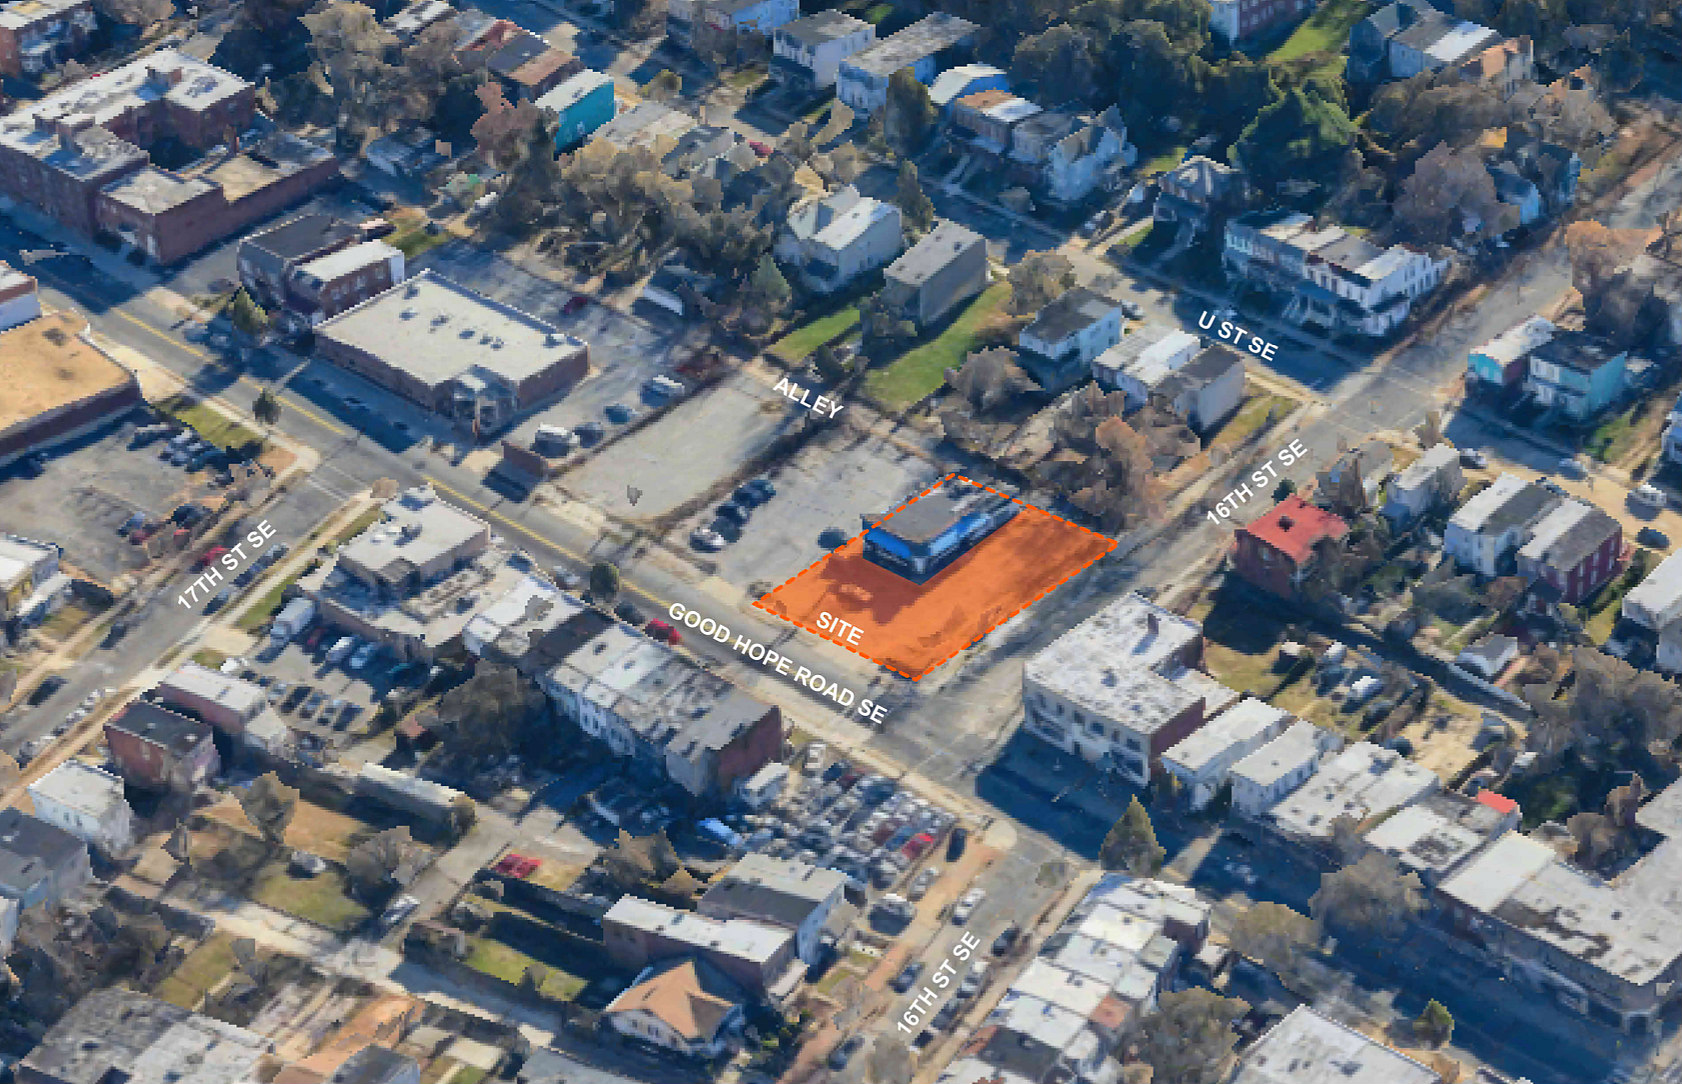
(407, 314)
(1286, 523)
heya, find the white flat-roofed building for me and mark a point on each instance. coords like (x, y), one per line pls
(1262, 779)
(1362, 782)
(1202, 761)
(1436, 836)
(1100, 692)
(88, 803)
(1308, 1048)
(472, 360)
(638, 932)
(20, 301)
(26, 568)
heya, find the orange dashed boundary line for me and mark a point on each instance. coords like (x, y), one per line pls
(819, 563)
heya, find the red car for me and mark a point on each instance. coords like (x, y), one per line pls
(578, 302)
(314, 637)
(209, 556)
(142, 533)
(761, 149)
(517, 865)
(660, 630)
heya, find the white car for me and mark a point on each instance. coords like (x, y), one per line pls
(401, 908)
(707, 540)
(1650, 496)
(341, 649)
(814, 757)
(364, 655)
(966, 905)
(924, 881)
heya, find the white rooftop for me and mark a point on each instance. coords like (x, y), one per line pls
(347, 260)
(244, 697)
(736, 937)
(418, 529)
(1423, 471)
(1651, 601)
(1300, 744)
(18, 556)
(1553, 526)
(1518, 341)
(435, 330)
(530, 608)
(1362, 782)
(80, 786)
(183, 80)
(1243, 722)
(1308, 1048)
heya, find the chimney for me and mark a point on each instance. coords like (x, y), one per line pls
(1286, 523)
(1153, 622)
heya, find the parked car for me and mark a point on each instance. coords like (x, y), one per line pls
(574, 304)
(663, 632)
(629, 614)
(1007, 939)
(1471, 457)
(219, 600)
(843, 1053)
(312, 704)
(566, 577)
(1652, 538)
(1572, 467)
(129, 524)
(908, 976)
(590, 432)
(707, 540)
(974, 981)
(619, 413)
(364, 655)
(966, 905)
(1649, 496)
(401, 908)
(923, 882)
(755, 492)
(735, 513)
(341, 650)
(955, 844)
(948, 1013)
(49, 685)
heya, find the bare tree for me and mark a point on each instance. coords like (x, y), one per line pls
(374, 863)
(1038, 279)
(1189, 1039)
(269, 805)
(989, 378)
(1372, 896)
(1273, 935)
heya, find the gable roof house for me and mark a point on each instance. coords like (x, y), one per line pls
(684, 1005)
(1066, 155)
(583, 103)
(87, 802)
(527, 66)
(1504, 361)
(1656, 601)
(41, 864)
(1058, 346)
(833, 239)
(1576, 548)
(1199, 192)
(1277, 551)
(1486, 531)
(941, 271)
(1409, 37)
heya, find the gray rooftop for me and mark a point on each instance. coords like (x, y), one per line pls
(144, 719)
(1438, 833)
(938, 248)
(1568, 534)
(1362, 782)
(1077, 309)
(435, 330)
(1241, 723)
(824, 26)
(925, 37)
(117, 1034)
(779, 890)
(1301, 743)
(737, 937)
(1509, 502)
(418, 529)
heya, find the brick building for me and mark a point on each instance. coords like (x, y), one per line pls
(159, 750)
(59, 385)
(57, 154)
(1277, 551)
(268, 257)
(37, 36)
(171, 215)
(328, 285)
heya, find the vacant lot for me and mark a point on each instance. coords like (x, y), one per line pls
(922, 371)
(314, 829)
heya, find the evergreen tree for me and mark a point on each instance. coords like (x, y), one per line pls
(247, 316)
(1131, 844)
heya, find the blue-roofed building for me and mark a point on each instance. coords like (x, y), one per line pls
(583, 103)
(936, 529)
(964, 80)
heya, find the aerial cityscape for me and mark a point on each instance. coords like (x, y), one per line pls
(840, 542)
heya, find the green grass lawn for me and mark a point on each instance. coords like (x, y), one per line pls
(202, 969)
(1613, 438)
(323, 899)
(746, 78)
(359, 524)
(414, 240)
(1164, 160)
(922, 371)
(209, 658)
(1326, 31)
(210, 424)
(260, 611)
(877, 12)
(1250, 417)
(508, 963)
(809, 336)
(70, 617)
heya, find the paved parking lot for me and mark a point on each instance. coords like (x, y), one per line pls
(826, 487)
(347, 698)
(700, 442)
(87, 490)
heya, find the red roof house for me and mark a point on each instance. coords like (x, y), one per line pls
(1498, 802)
(1277, 552)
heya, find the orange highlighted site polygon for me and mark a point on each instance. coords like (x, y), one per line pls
(913, 628)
